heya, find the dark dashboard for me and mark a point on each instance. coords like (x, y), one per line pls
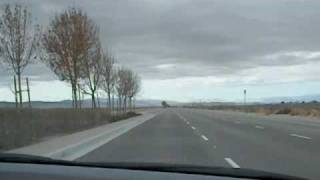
(16, 166)
(15, 171)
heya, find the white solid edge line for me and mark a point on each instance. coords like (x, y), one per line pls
(300, 136)
(193, 127)
(204, 137)
(181, 117)
(125, 128)
(232, 163)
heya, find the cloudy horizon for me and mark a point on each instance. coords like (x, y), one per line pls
(196, 50)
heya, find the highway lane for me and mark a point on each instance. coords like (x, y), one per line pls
(163, 139)
(217, 138)
(261, 142)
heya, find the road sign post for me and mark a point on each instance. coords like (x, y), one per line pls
(244, 97)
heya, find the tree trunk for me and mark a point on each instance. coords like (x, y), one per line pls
(19, 88)
(119, 104)
(80, 100)
(109, 100)
(134, 104)
(98, 100)
(125, 104)
(93, 101)
(74, 93)
(130, 103)
(112, 105)
(72, 98)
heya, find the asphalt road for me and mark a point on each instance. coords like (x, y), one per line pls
(216, 138)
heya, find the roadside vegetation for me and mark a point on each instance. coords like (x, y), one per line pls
(27, 126)
(310, 109)
(164, 104)
(72, 48)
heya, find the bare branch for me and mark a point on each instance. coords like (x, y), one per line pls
(69, 40)
(19, 40)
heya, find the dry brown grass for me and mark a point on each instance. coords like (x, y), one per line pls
(294, 109)
(304, 112)
(22, 127)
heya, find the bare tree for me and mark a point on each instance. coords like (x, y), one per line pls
(134, 87)
(91, 73)
(109, 76)
(69, 38)
(121, 87)
(19, 40)
(128, 85)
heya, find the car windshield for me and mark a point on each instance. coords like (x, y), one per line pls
(201, 83)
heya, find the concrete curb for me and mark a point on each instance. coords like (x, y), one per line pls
(74, 146)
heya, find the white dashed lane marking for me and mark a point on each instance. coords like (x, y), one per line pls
(300, 136)
(204, 137)
(259, 127)
(187, 122)
(232, 163)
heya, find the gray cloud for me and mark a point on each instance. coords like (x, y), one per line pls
(200, 38)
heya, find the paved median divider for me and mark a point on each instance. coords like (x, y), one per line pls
(73, 146)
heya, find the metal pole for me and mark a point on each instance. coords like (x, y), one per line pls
(15, 90)
(98, 100)
(112, 104)
(244, 97)
(134, 104)
(80, 99)
(73, 105)
(28, 91)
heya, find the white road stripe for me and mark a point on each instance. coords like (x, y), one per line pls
(300, 136)
(204, 137)
(232, 163)
(259, 127)
(183, 118)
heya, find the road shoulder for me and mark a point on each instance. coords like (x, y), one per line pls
(73, 146)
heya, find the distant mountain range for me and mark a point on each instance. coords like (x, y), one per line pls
(196, 104)
(157, 103)
(86, 103)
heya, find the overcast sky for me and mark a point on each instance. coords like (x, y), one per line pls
(197, 50)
